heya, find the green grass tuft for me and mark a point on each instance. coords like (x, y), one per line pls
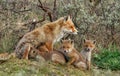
(109, 58)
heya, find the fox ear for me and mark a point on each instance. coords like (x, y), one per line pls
(70, 17)
(84, 40)
(61, 41)
(67, 18)
(94, 41)
(42, 43)
(69, 39)
(72, 41)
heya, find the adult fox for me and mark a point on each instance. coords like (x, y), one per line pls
(50, 33)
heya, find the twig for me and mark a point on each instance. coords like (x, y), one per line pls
(45, 9)
(54, 10)
(35, 22)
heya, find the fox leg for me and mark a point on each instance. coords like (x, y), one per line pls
(49, 45)
(81, 65)
(58, 57)
(26, 51)
(88, 64)
(71, 61)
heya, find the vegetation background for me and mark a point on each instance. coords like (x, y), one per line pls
(95, 19)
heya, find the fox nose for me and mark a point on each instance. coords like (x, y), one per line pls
(87, 49)
(65, 51)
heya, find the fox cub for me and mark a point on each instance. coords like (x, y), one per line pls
(88, 46)
(50, 33)
(75, 58)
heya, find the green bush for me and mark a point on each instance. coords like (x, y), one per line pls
(109, 58)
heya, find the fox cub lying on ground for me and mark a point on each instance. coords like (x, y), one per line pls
(50, 33)
(80, 60)
(56, 56)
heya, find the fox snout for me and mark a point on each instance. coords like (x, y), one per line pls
(87, 49)
(65, 51)
(75, 31)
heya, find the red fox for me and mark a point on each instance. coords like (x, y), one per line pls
(50, 33)
(88, 46)
(75, 58)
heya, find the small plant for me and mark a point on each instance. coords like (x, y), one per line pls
(109, 58)
(7, 43)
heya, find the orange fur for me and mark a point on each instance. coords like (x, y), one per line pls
(35, 33)
(26, 52)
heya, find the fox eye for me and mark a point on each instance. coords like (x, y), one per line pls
(67, 47)
(63, 46)
(91, 46)
(71, 27)
(33, 51)
(86, 45)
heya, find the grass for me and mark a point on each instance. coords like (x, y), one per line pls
(109, 58)
(16, 67)
(7, 43)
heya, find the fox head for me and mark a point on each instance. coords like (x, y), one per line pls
(68, 26)
(33, 52)
(88, 45)
(67, 45)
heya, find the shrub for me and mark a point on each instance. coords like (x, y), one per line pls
(109, 58)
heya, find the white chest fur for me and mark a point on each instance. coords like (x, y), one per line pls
(58, 37)
(86, 55)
